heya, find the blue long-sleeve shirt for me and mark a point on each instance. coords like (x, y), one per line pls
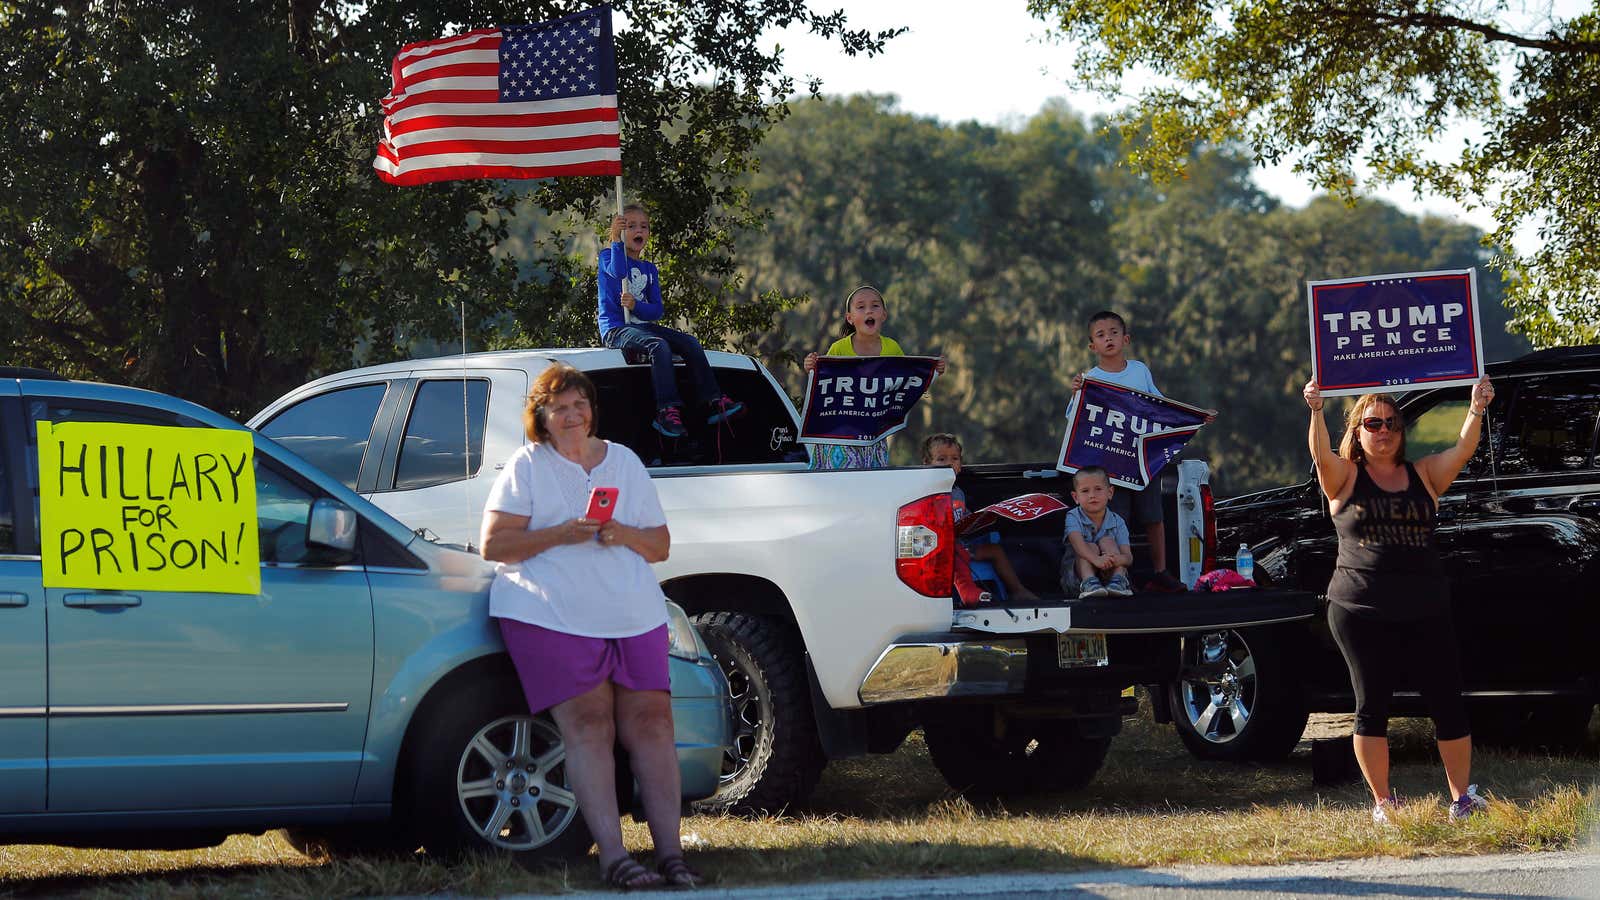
(643, 280)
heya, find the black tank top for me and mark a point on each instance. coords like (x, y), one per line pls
(1388, 563)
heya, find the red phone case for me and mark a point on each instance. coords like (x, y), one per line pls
(602, 503)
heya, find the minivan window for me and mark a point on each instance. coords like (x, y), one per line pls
(283, 511)
(764, 434)
(8, 533)
(68, 410)
(331, 430)
(432, 451)
(1551, 425)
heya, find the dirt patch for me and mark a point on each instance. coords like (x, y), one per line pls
(1329, 725)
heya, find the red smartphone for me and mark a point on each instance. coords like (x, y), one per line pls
(602, 503)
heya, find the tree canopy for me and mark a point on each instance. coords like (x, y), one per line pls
(1335, 84)
(993, 246)
(188, 202)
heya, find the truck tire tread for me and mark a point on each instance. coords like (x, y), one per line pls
(786, 759)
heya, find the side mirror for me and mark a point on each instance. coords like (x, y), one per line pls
(332, 526)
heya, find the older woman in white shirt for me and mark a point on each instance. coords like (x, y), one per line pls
(584, 618)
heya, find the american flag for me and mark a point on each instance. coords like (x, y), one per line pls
(518, 101)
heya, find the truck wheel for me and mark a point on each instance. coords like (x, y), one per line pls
(1236, 699)
(986, 755)
(775, 759)
(491, 778)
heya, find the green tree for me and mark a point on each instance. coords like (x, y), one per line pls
(988, 244)
(993, 246)
(1335, 84)
(188, 202)
(1213, 285)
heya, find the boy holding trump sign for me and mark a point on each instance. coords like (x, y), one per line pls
(1108, 339)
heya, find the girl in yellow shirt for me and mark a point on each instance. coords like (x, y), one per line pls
(864, 314)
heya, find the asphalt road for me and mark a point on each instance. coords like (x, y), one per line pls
(1529, 876)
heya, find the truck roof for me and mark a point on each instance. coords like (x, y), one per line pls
(1552, 359)
(584, 358)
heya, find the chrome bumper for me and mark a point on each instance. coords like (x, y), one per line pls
(920, 670)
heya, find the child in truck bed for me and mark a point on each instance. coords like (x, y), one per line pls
(944, 449)
(1098, 554)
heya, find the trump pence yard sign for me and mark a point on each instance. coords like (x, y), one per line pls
(1395, 332)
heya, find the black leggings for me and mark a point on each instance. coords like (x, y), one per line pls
(1378, 652)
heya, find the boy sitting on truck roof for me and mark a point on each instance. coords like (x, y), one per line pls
(630, 304)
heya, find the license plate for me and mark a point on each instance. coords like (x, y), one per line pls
(1076, 651)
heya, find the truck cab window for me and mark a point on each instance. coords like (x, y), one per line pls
(443, 443)
(1550, 426)
(764, 434)
(331, 431)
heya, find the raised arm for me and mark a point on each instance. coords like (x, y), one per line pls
(1439, 470)
(1333, 470)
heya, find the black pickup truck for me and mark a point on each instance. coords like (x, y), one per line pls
(1520, 535)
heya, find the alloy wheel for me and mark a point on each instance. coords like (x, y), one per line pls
(748, 717)
(1218, 686)
(512, 783)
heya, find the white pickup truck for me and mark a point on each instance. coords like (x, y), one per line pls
(825, 595)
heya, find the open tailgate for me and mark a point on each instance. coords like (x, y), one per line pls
(1144, 613)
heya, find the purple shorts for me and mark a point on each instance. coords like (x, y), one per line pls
(554, 666)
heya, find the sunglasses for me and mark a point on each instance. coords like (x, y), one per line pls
(1373, 423)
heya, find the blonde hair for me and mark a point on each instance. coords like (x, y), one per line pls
(934, 440)
(1350, 443)
(551, 383)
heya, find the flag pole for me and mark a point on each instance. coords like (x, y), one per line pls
(622, 267)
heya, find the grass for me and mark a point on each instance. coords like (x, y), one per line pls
(893, 816)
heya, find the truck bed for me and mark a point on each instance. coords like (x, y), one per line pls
(1036, 548)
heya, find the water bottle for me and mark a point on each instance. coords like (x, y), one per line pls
(1244, 562)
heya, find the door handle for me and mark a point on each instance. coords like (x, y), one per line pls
(100, 601)
(12, 599)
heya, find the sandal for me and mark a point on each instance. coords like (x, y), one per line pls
(677, 873)
(625, 875)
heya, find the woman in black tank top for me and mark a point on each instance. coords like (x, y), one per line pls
(1388, 601)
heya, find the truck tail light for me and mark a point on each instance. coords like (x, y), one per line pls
(1208, 515)
(925, 541)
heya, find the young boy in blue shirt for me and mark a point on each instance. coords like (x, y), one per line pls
(1098, 554)
(1108, 339)
(630, 304)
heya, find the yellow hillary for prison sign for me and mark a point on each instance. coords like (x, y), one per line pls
(150, 507)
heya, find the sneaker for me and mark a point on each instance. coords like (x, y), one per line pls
(1163, 583)
(1468, 805)
(1380, 812)
(722, 409)
(1118, 586)
(1091, 587)
(669, 421)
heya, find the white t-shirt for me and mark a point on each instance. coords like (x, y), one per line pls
(586, 589)
(1135, 375)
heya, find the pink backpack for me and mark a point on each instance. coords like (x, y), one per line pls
(1222, 580)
